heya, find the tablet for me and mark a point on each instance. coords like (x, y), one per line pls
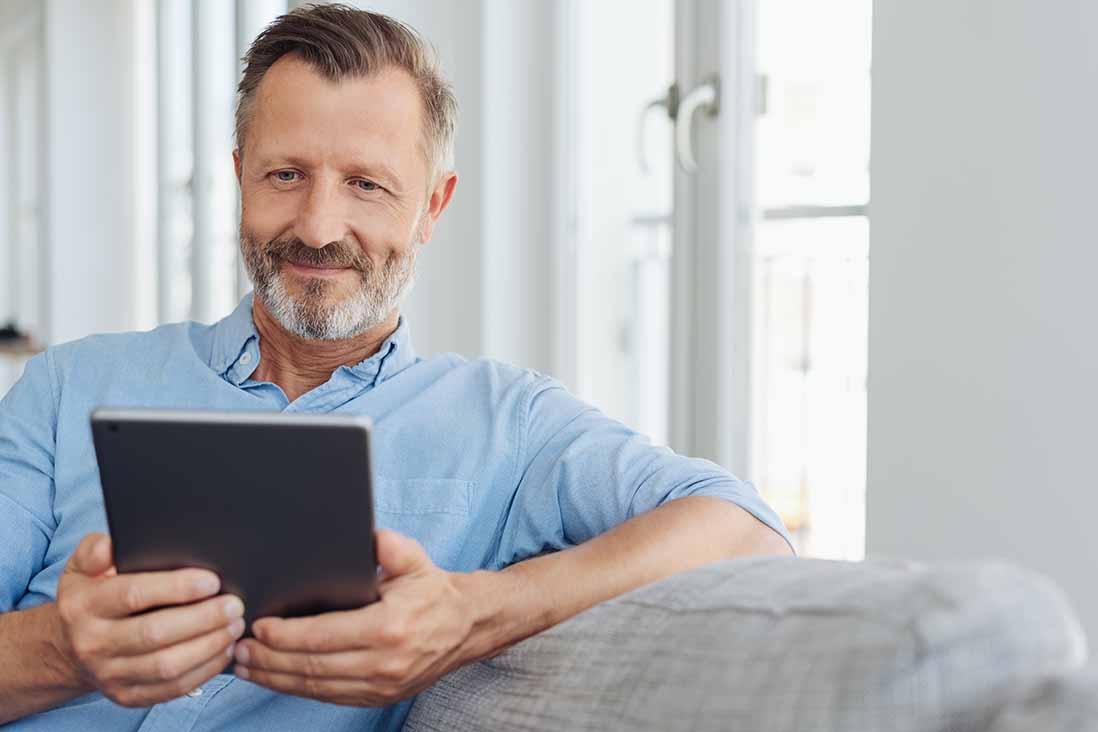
(279, 505)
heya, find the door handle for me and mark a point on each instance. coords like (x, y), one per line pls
(705, 97)
(669, 102)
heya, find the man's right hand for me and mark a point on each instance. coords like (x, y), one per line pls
(138, 660)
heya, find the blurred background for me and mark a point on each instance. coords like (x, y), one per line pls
(666, 205)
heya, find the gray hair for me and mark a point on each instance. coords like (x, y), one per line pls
(340, 42)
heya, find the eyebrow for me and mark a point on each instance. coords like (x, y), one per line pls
(377, 170)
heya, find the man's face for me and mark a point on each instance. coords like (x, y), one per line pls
(335, 197)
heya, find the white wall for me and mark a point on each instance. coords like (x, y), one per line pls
(982, 355)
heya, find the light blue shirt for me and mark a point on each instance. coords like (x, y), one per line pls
(485, 464)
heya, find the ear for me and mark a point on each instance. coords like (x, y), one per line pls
(437, 203)
(237, 164)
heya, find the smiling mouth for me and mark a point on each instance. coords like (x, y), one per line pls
(315, 269)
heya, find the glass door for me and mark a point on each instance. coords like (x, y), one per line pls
(721, 240)
(772, 240)
(810, 269)
(621, 132)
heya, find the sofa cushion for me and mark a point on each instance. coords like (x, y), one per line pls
(777, 644)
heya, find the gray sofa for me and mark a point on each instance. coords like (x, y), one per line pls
(793, 645)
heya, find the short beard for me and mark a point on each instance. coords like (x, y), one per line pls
(310, 315)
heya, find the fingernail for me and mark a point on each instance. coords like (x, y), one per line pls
(236, 628)
(207, 584)
(242, 654)
(240, 671)
(234, 607)
(230, 649)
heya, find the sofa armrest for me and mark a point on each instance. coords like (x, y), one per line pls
(777, 644)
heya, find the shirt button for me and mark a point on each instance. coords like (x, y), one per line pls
(246, 359)
(195, 692)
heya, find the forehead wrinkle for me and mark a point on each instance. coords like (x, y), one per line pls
(349, 109)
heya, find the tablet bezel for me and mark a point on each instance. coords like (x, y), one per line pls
(345, 582)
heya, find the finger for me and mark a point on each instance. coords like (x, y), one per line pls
(399, 555)
(161, 628)
(338, 691)
(144, 695)
(174, 662)
(126, 594)
(339, 665)
(92, 556)
(342, 630)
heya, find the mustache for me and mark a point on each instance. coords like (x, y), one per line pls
(335, 254)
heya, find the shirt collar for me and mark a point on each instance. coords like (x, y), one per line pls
(233, 336)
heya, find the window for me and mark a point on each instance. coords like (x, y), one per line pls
(176, 158)
(23, 303)
(810, 268)
(199, 45)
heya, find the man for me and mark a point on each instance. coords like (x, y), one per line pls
(508, 505)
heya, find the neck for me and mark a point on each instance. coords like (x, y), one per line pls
(299, 365)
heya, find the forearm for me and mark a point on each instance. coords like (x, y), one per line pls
(36, 673)
(536, 594)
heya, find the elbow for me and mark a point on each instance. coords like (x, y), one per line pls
(759, 540)
(771, 543)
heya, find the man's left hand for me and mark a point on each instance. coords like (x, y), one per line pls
(372, 656)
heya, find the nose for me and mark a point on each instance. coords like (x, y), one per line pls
(321, 219)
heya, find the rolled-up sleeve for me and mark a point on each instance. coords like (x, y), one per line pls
(28, 422)
(581, 473)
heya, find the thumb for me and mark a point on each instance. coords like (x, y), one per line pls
(92, 556)
(399, 555)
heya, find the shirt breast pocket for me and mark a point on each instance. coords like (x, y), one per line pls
(433, 511)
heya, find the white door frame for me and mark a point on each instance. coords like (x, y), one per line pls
(710, 309)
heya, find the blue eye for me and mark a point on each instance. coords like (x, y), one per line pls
(282, 176)
(367, 185)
